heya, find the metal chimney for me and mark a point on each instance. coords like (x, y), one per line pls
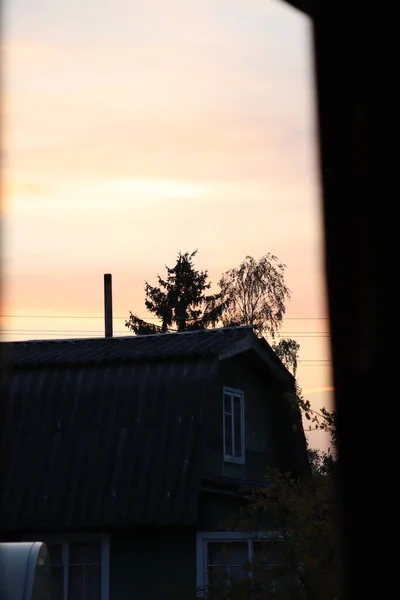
(108, 311)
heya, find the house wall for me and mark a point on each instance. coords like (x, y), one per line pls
(153, 566)
(227, 512)
(261, 426)
(161, 565)
(218, 511)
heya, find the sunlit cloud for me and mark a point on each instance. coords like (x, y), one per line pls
(109, 195)
(201, 92)
(319, 390)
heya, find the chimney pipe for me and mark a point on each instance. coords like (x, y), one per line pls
(108, 311)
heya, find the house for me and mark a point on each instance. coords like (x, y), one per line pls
(127, 455)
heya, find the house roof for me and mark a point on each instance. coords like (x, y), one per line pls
(95, 350)
(110, 431)
(116, 445)
(221, 343)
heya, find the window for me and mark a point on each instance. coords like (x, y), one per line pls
(233, 426)
(227, 561)
(225, 566)
(80, 568)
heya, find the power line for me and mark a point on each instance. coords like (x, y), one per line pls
(126, 318)
(283, 335)
(97, 333)
(303, 334)
(14, 331)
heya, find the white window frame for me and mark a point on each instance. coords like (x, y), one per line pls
(66, 540)
(228, 457)
(202, 539)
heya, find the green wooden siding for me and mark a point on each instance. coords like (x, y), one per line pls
(223, 512)
(260, 397)
(153, 566)
(161, 565)
(214, 510)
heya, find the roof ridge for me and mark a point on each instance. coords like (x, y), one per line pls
(132, 337)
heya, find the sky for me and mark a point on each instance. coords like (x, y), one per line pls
(134, 129)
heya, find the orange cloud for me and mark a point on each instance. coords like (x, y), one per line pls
(196, 93)
(318, 390)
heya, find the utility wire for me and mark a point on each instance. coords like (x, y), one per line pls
(126, 318)
(98, 333)
(283, 334)
(20, 331)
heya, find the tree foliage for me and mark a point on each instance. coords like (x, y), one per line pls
(180, 300)
(304, 516)
(293, 526)
(288, 351)
(321, 462)
(304, 546)
(324, 419)
(256, 294)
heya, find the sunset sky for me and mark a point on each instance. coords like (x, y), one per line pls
(135, 129)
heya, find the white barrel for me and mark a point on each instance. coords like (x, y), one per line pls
(25, 572)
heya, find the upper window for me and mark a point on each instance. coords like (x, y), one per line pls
(233, 426)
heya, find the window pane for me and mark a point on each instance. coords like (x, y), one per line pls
(228, 434)
(239, 583)
(229, 581)
(227, 403)
(238, 574)
(266, 552)
(76, 583)
(218, 582)
(84, 582)
(57, 583)
(93, 582)
(85, 553)
(237, 423)
(269, 572)
(228, 553)
(57, 571)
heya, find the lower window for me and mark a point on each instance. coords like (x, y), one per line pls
(80, 568)
(229, 566)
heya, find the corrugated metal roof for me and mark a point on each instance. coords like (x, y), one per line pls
(103, 445)
(109, 431)
(77, 351)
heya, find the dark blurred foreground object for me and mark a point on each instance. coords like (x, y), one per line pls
(345, 112)
(347, 60)
(25, 572)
